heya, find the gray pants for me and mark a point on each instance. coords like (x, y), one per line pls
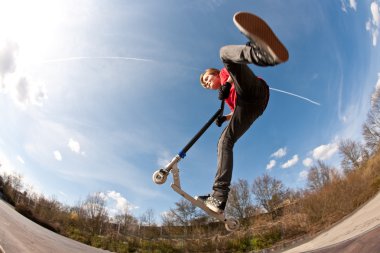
(252, 99)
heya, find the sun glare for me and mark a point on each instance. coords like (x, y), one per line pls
(30, 24)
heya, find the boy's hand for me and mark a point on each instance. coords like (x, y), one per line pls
(220, 120)
(224, 91)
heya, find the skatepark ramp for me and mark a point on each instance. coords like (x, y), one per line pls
(359, 232)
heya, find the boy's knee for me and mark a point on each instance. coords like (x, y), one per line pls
(223, 53)
(225, 143)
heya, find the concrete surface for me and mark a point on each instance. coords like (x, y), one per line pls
(368, 242)
(365, 219)
(20, 235)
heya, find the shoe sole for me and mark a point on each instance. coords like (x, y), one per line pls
(211, 207)
(257, 30)
(214, 209)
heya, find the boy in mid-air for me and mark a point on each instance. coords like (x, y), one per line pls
(245, 93)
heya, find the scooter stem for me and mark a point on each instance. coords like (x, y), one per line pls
(218, 113)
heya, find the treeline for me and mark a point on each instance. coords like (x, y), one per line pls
(269, 212)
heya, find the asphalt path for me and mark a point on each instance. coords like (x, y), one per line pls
(20, 235)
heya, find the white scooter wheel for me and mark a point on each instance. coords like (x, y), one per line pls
(232, 224)
(159, 177)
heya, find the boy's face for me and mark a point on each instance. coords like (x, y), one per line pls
(211, 82)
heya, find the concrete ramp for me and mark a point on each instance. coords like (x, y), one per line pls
(20, 235)
(360, 230)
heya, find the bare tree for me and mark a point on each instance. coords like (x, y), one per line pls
(183, 214)
(48, 209)
(125, 220)
(371, 131)
(353, 154)
(269, 192)
(1, 183)
(320, 175)
(240, 200)
(147, 218)
(371, 128)
(12, 185)
(169, 218)
(94, 209)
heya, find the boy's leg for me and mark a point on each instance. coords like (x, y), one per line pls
(235, 58)
(253, 94)
(246, 54)
(244, 116)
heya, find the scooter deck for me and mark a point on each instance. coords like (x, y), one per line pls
(199, 204)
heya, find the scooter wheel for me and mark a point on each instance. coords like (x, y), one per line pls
(232, 224)
(159, 177)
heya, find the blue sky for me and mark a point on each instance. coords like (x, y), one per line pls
(97, 95)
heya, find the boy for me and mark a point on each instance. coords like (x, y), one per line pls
(246, 95)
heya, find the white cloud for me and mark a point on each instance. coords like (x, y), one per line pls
(279, 153)
(325, 152)
(271, 164)
(74, 145)
(343, 5)
(303, 175)
(307, 162)
(26, 92)
(353, 4)
(375, 35)
(57, 155)
(8, 55)
(373, 23)
(116, 203)
(19, 158)
(290, 162)
(23, 91)
(121, 202)
(375, 13)
(376, 93)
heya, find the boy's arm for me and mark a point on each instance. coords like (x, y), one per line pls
(229, 80)
(228, 116)
(221, 119)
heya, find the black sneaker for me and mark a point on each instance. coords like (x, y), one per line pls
(262, 57)
(215, 205)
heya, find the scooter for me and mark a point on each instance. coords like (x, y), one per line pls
(160, 176)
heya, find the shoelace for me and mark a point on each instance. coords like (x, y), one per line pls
(213, 201)
(260, 53)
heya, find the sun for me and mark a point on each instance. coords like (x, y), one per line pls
(30, 24)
